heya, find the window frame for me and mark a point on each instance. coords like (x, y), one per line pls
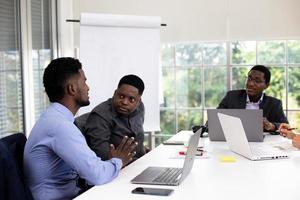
(229, 67)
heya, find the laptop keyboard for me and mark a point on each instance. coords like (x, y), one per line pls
(257, 151)
(263, 152)
(169, 175)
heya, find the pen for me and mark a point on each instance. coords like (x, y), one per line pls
(289, 129)
(183, 153)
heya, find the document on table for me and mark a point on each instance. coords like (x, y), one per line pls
(179, 153)
(285, 146)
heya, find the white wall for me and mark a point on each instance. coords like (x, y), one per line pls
(264, 19)
(207, 20)
(65, 29)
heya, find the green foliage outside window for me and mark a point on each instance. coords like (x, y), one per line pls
(243, 52)
(188, 87)
(215, 85)
(293, 47)
(271, 52)
(196, 77)
(294, 87)
(188, 118)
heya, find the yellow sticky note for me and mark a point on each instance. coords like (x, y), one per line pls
(227, 159)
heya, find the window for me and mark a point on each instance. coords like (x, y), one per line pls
(194, 79)
(41, 50)
(196, 76)
(11, 111)
(11, 57)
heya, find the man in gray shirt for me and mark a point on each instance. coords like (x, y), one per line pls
(111, 120)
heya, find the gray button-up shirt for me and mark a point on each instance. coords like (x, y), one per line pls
(104, 126)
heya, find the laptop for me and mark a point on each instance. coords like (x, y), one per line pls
(252, 121)
(236, 139)
(169, 175)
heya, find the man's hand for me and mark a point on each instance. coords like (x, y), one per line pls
(296, 141)
(285, 131)
(268, 125)
(124, 151)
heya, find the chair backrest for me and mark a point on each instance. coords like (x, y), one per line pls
(81, 120)
(12, 183)
(16, 143)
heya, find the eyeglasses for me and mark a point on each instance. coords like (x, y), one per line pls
(255, 81)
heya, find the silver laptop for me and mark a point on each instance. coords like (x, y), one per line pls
(170, 175)
(236, 139)
(252, 121)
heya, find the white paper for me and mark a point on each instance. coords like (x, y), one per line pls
(108, 20)
(285, 146)
(112, 46)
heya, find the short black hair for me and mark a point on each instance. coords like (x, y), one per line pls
(134, 81)
(57, 73)
(265, 70)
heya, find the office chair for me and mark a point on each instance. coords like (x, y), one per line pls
(12, 183)
(203, 131)
(81, 120)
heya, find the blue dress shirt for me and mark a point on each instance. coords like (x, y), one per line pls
(56, 154)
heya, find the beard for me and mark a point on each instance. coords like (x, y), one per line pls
(82, 102)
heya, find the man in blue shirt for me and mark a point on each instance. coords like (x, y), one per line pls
(56, 154)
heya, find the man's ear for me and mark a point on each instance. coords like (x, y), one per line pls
(71, 89)
(140, 100)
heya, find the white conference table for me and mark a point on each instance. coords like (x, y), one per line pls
(210, 178)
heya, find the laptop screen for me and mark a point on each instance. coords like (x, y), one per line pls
(252, 121)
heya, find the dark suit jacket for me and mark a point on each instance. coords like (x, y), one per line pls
(12, 184)
(272, 107)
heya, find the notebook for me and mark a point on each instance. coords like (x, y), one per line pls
(237, 141)
(170, 175)
(252, 121)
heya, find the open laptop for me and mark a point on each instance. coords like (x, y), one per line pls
(236, 139)
(252, 121)
(170, 175)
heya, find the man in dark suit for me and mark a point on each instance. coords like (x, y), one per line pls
(253, 98)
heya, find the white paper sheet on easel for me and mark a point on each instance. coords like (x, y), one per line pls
(112, 46)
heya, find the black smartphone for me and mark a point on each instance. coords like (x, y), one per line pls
(152, 191)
